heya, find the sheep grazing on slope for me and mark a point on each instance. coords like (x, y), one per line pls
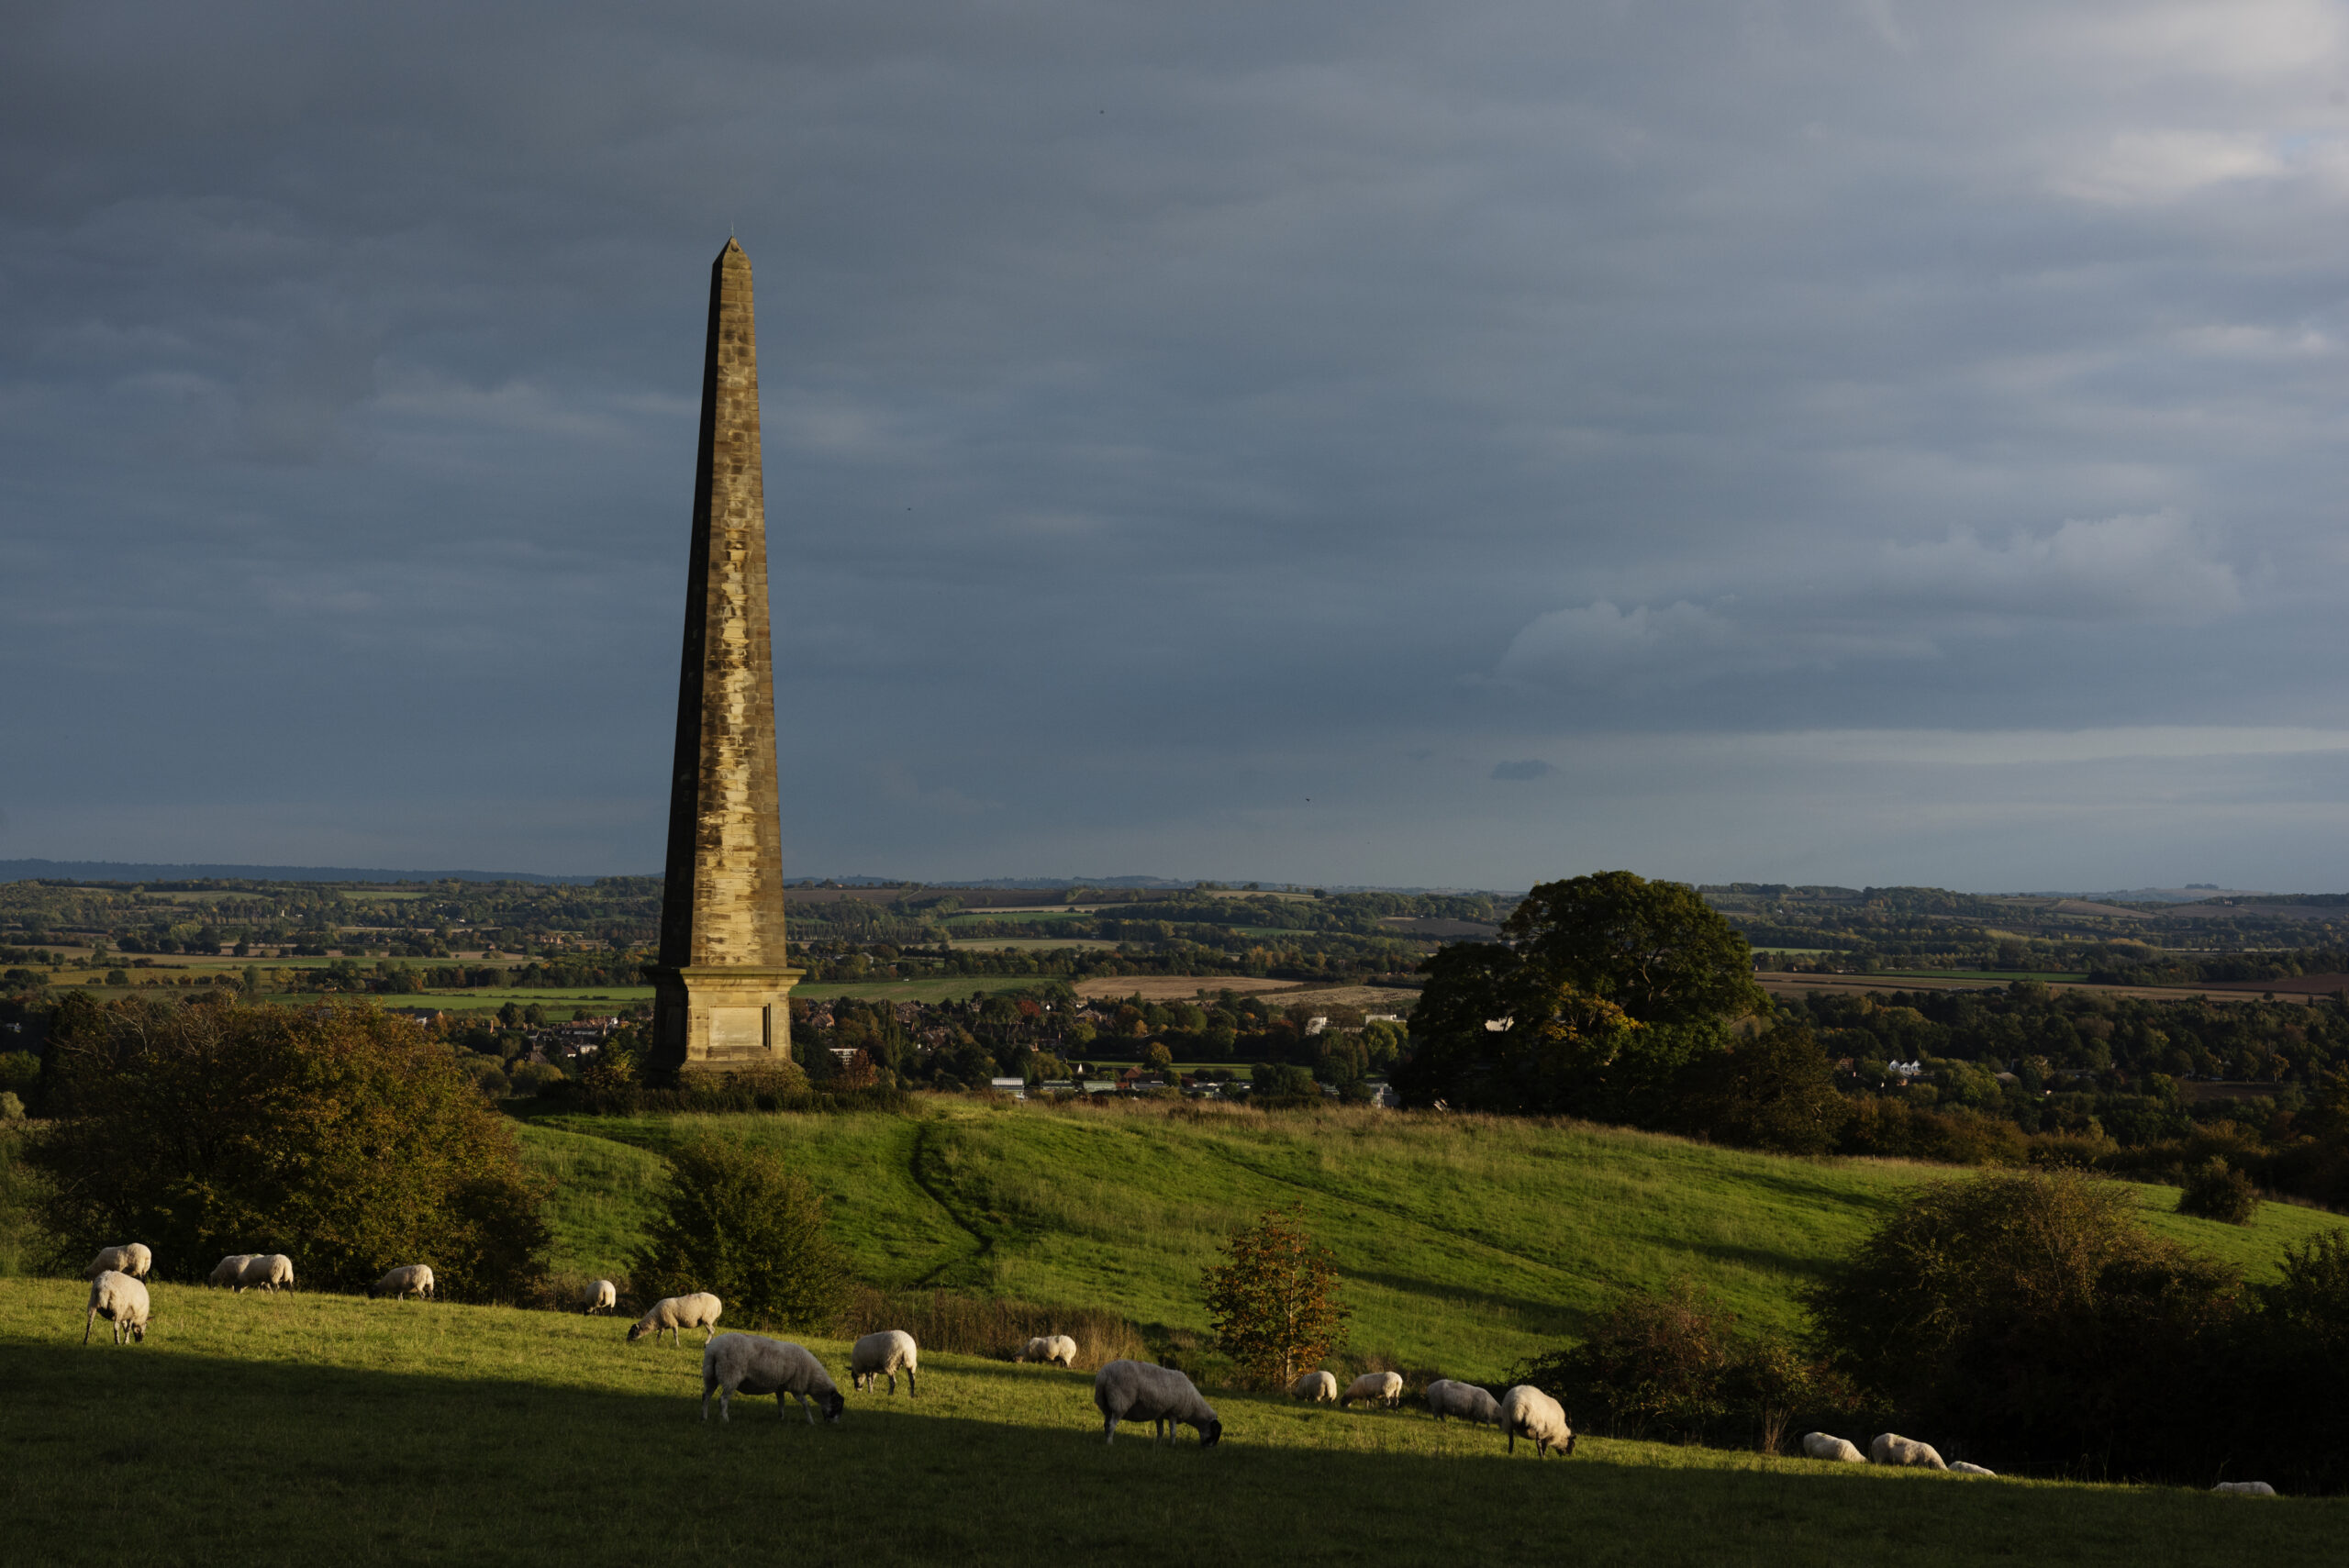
(1447, 1398)
(1961, 1467)
(122, 1302)
(754, 1364)
(134, 1259)
(1527, 1412)
(1049, 1348)
(1379, 1388)
(672, 1313)
(1824, 1445)
(1137, 1391)
(884, 1355)
(1890, 1448)
(1315, 1388)
(265, 1271)
(411, 1279)
(2246, 1488)
(599, 1297)
(229, 1268)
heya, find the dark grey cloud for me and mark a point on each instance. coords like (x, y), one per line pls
(1805, 423)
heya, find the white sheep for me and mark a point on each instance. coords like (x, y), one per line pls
(754, 1364)
(1891, 1449)
(2246, 1488)
(1447, 1397)
(1049, 1348)
(1824, 1445)
(1380, 1388)
(600, 1296)
(884, 1355)
(134, 1259)
(229, 1268)
(1964, 1467)
(1315, 1388)
(672, 1313)
(1137, 1391)
(265, 1271)
(122, 1302)
(1527, 1412)
(410, 1279)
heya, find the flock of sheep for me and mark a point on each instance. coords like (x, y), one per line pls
(754, 1365)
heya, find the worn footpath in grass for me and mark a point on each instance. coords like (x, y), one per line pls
(1466, 1243)
(304, 1429)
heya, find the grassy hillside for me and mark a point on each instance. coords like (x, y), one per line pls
(304, 1429)
(1466, 1243)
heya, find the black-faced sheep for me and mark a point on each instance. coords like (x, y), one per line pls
(885, 1354)
(1527, 1412)
(599, 1297)
(265, 1271)
(1137, 1391)
(1447, 1398)
(2246, 1488)
(122, 1302)
(672, 1313)
(1379, 1388)
(1824, 1445)
(409, 1279)
(1315, 1388)
(1891, 1449)
(134, 1259)
(1049, 1348)
(230, 1269)
(754, 1364)
(1962, 1467)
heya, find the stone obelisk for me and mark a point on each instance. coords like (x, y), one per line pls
(724, 981)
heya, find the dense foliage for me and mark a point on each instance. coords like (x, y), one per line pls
(1272, 1300)
(339, 1136)
(738, 1222)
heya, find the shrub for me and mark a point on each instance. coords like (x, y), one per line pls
(1272, 1301)
(336, 1135)
(1775, 1091)
(533, 1077)
(739, 1223)
(11, 1108)
(2215, 1190)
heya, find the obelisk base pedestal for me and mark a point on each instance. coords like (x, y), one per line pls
(723, 1019)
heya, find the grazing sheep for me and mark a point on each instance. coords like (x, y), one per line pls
(1137, 1391)
(672, 1313)
(600, 1296)
(412, 1279)
(1822, 1445)
(2246, 1488)
(229, 1268)
(1447, 1397)
(265, 1271)
(1315, 1388)
(754, 1364)
(1049, 1348)
(122, 1302)
(134, 1259)
(1380, 1388)
(884, 1355)
(1889, 1448)
(1527, 1412)
(1962, 1467)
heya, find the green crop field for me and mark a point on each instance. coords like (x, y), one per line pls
(304, 1429)
(1468, 1242)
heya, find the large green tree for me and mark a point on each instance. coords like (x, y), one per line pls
(342, 1137)
(738, 1222)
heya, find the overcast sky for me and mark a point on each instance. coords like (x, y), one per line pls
(1852, 442)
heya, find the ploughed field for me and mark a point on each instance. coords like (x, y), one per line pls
(1466, 1243)
(307, 1428)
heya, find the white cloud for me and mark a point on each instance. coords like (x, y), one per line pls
(1596, 642)
(2148, 567)
(2146, 167)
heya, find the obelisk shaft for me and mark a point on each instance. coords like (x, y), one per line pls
(724, 976)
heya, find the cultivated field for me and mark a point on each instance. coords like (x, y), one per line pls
(1175, 987)
(306, 1429)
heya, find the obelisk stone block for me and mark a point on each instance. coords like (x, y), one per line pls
(723, 985)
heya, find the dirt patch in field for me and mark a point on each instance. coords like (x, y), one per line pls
(2299, 984)
(1175, 987)
(1877, 984)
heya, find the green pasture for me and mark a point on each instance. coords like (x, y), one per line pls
(1466, 1243)
(1030, 944)
(1017, 916)
(304, 1429)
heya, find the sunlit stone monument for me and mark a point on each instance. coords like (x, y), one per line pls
(723, 985)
